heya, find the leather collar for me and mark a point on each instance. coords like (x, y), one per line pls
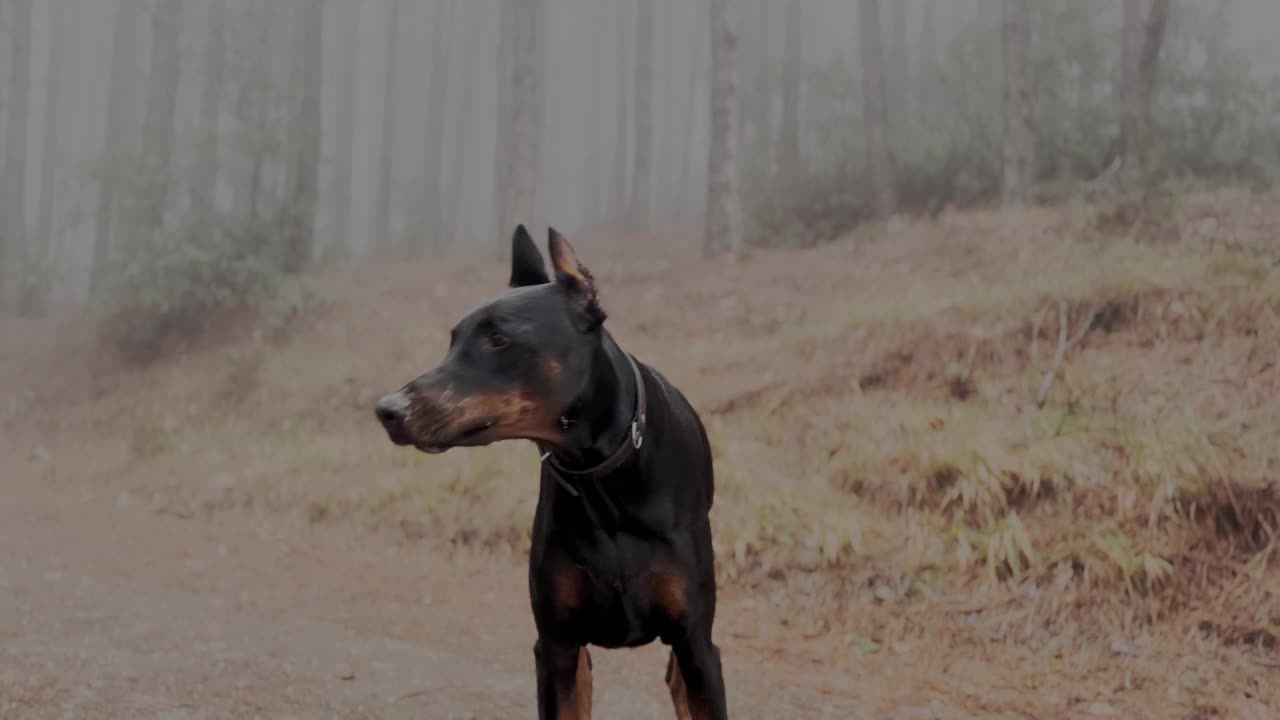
(632, 443)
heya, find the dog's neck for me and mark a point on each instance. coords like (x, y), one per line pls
(599, 421)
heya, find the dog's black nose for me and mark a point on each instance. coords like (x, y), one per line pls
(390, 411)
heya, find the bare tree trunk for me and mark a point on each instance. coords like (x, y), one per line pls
(40, 247)
(685, 185)
(1126, 89)
(308, 58)
(205, 188)
(788, 162)
(455, 216)
(502, 148)
(383, 226)
(1217, 58)
(592, 169)
(344, 131)
(641, 188)
(442, 33)
(723, 221)
(875, 103)
(927, 54)
(119, 137)
(1138, 141)
(158, 127)
(252, 104)
(520, 168)
(1019, 142)
(755, 83)
(540, 56)
(899, 66)
(1138, 133)
(13, 172)
(618, 200)
(4, 87)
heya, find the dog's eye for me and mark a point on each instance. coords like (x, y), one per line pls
(497, 341)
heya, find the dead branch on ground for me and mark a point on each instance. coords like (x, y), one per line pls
(1064, 344)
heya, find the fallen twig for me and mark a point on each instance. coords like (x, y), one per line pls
(1064, 344)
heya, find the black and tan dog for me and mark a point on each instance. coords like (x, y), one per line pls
(622, 549)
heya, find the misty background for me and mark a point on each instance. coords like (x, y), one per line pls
(164, 153)
(979, 301)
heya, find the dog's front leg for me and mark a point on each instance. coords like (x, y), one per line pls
(697, 660)
(564, 680)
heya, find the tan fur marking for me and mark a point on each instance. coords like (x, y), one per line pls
(668, 592)
(679, 693)
(568, 589)
(565, 261)
(576, 704)
(515, 413)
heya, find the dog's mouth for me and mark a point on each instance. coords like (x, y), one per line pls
(471, 433)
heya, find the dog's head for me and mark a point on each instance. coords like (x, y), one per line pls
(515, 364)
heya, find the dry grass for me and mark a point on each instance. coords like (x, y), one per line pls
(872, 406)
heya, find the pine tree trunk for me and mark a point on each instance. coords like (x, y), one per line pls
(641, 187)
(502, 148)
(1019, 141)
(593, 171)
(252, 110)
(788, 162)
(524, 128)
(462, 143)
(926, 55)
(688, 158)
(41, 245)
(344, 132)
(755, 83)
(875, 103)
(119, 138)
(899, 68)
(13, 171)
(723, 220)
(308, 58)
(442, 33)
(1138, 145)
(215, 60)
(158, 127)
(1126, 90)
(618, 195)
(383, 225)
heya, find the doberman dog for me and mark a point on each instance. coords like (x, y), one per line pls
(621, 542)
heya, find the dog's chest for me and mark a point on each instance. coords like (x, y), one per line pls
(614, 596)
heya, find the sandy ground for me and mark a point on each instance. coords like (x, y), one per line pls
(109, 610)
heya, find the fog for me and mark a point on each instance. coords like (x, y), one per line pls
(956, 321)
(406, 133)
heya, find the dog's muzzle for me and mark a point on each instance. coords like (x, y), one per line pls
(392, 411)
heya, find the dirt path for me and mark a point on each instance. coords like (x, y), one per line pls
(108, 610)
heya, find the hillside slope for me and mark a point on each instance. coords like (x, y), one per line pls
(882, 460)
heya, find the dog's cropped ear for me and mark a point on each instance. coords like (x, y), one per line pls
(527, 267)
(573, 276)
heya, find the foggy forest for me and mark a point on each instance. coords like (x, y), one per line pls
(978, 300)
(206, 135)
